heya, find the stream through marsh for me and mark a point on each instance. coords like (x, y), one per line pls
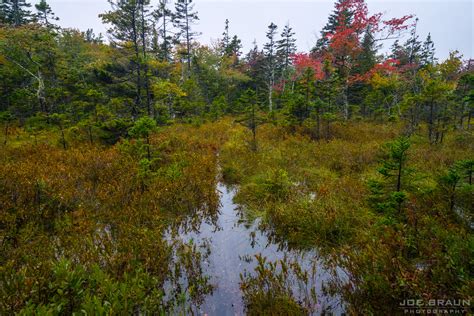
(232, 244)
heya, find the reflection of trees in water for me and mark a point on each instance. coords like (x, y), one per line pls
(242, 258)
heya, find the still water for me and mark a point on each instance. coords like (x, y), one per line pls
(233, 244)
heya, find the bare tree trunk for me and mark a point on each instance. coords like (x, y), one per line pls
(345, 101)
(188, 41)
(270, 90)
(318, 123)
(6, 134)
(148, 147)
(469, 120)
(90, 134)
(328, 130)
(430, 122)
(63, 137)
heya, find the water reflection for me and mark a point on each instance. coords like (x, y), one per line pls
(231, 244)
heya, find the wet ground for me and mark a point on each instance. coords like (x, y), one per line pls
(233, 244)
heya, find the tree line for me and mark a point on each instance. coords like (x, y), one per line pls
(153, 65)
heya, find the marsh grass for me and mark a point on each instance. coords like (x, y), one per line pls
(315, 194)
(79, 232)
(96, 215)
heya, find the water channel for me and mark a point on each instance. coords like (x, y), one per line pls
(233, 244)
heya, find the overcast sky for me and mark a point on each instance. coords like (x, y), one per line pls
(450, 21)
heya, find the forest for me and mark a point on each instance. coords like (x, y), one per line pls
(145, 173)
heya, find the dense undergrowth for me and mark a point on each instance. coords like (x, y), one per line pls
(83, 229)
(87, 229)
(318, 194)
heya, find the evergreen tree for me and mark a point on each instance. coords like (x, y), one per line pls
(367, 58)
(230, 46)
(327, 91)
(286, 47)
(15, 12)
(144, 30)
(90, 37)
(251, 117)
(235, 47)
(270, 50)
(301, 104)
(413, 46)
(255, 61)
(164, 17)
(184, 19)
(226, 36)
(128, 32)
(389, 194)
(428, 52)
(399, 53)
(465, 97)
(363, 63)
(45, 15)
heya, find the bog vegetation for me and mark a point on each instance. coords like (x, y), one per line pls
(109, 147)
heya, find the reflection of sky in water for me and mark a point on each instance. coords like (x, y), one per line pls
(231, 244)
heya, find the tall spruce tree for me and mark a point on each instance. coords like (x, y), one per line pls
(45, 14)
(15, 12)
(185, 17)
(367, 58)
(413, 46)
(255, 60)
(145, 28)
(270, 50)
(363, 63)
(230, 46)
(286, 47)
(225, 37)
(235, 46)
(428, 52)
(400, 53)
(126, 31)
(164, 17)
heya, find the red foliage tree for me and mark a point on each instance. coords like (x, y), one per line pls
(345, 41)
(303, 61)
(387, 67)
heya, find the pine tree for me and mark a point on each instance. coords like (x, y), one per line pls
(230, 46)
(144, 30)
(399, 53)
(389, 194)
(270, 62)
(368, 55)
(286, 47)
(15, 12)
(184, 19)
(45, 14)
(164, 17)
(256, 63)
(226, 37)
(413, 46)
(128, 28)
(251, 116)
(427, 55)
(363, 63)
(235, 46)
(90, 37)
